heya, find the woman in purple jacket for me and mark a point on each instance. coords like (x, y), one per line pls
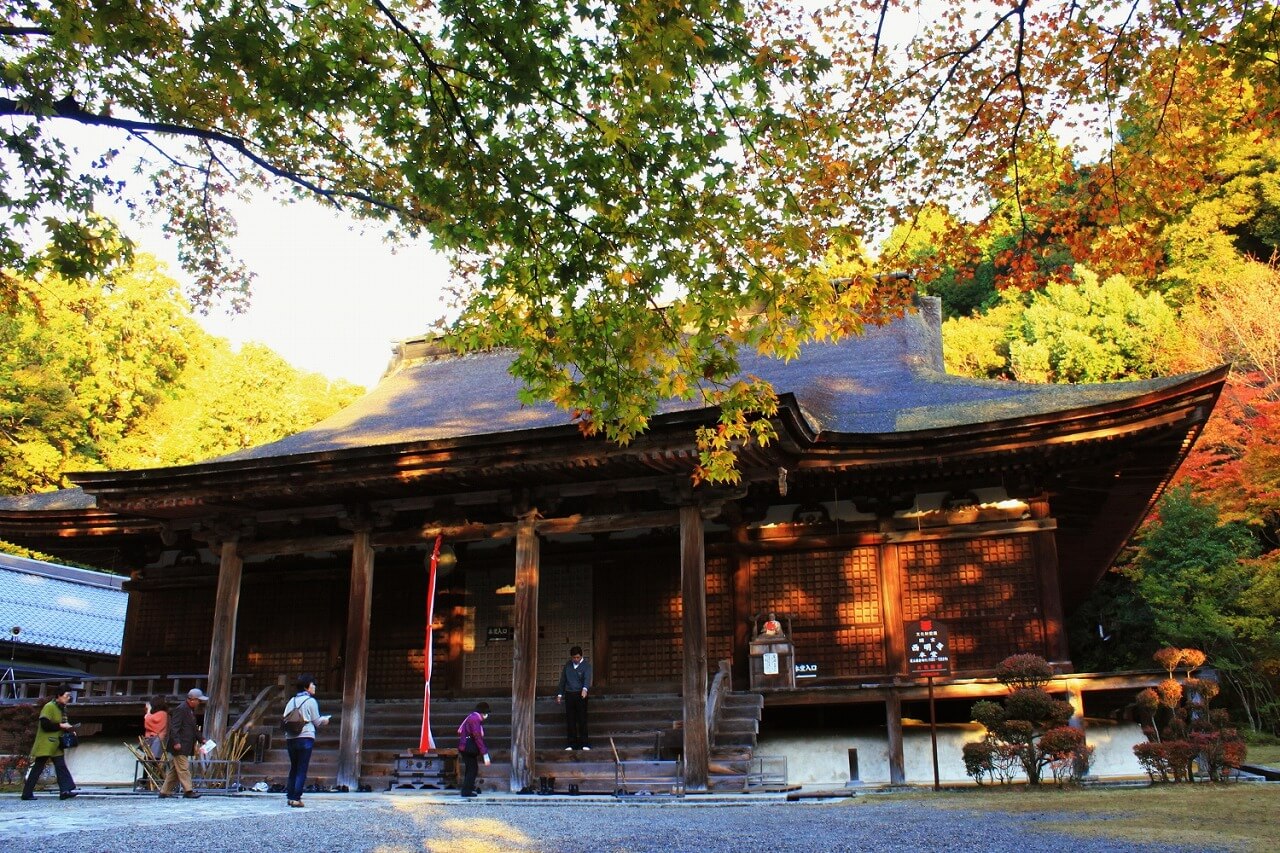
(471, 745)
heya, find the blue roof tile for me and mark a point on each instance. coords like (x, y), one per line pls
(61, 608)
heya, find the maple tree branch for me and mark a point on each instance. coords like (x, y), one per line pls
(67, 108)
(8, 30)
(1016, 135)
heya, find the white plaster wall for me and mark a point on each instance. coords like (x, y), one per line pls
(821, 756)
(94, 762)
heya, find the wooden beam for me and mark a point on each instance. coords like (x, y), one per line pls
(356, 669)
(972, 531)
(608, 523)
(471, 532)
(301, 545)
(893, 725)
(964, 688)
(222, 648)
(693, 597)
(451, 532)
(524, 655)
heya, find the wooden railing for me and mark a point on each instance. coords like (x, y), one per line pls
(268, 697)
(113, 689)
(720, 687)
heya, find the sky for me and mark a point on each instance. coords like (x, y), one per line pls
(327, 298)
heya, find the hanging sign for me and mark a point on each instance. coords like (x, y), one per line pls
(806, 670)
(928, 648)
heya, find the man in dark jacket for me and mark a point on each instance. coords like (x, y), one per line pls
(184, 742)
(575, 680)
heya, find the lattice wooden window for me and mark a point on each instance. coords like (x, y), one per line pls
(170, 630)
(285, 628)
(564, 615)
(644, 621)
(719, 611)
(833, 599)
(986, 590)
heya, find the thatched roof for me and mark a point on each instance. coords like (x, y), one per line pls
(889, 380)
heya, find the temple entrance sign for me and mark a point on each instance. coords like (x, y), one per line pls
(928, 649)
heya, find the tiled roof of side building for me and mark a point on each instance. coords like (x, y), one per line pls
(62, 499)
(57, 607)
(889, 380)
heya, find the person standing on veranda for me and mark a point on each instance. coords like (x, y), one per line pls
(48, 746)
(575, 681)
(184, 742)
(301, 745)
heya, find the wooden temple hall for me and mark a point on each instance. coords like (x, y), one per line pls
(894, 493)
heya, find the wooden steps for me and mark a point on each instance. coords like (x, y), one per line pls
(645, 730)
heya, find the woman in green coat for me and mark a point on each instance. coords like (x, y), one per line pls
(47, 747)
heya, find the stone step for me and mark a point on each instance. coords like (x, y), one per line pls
(645, 730)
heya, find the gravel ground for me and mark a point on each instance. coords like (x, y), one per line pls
(398, 823)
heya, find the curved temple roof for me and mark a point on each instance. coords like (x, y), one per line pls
(890, 380)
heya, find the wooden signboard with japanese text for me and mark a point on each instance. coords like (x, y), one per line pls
(928, 649)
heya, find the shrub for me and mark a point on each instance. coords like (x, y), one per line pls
(1169, 658)
(1016, 728)
(17, 728)
(1170, 692)
(1068, 755)
(13, 768)
(979, 760)
(1192, 731)
(1024, 671)
(1181, 753)
(1218, 751)
(1007, 760)
(1154, 759)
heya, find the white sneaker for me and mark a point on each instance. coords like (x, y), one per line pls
(568, 749)
(586, 749)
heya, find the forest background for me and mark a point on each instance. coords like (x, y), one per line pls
(1093, 188)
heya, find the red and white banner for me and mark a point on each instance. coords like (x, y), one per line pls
(426, 743)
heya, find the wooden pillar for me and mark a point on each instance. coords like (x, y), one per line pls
(893, 725)
(693, 596)
(1045, 548)
(222, 649)
(355, 673)
(895, 638)
(742, 612)
(524, 652)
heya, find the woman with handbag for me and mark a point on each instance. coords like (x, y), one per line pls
(301, 716)
(471, 746)
(155, 726)
(50, 745)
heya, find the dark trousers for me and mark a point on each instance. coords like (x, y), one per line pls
(575, 718)
(65, 782)
(470, 767)
(299, 759)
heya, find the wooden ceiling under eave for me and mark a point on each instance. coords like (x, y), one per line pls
(1101, 467)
